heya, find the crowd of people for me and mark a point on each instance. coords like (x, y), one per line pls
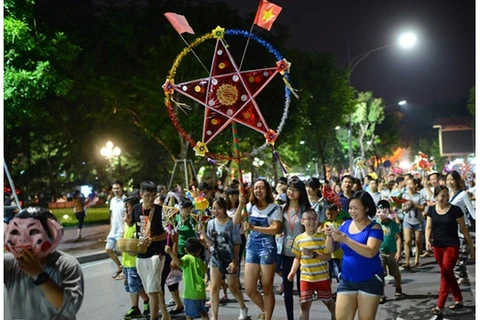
(306, 232)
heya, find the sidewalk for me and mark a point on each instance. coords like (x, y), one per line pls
(91, 247)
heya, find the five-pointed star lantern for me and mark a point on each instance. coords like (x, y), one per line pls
(228, 94)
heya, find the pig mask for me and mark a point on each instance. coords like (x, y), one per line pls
(31, 234)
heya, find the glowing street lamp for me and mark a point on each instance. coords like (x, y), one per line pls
(406, 41)
(109, 152)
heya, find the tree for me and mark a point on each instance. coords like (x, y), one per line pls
(369, 112)
(471, 102)
(325, 99)
(38, 67)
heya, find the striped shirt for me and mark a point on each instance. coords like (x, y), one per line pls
(311, 269)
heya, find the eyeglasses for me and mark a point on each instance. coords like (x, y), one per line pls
(293, 190)
(310, 219)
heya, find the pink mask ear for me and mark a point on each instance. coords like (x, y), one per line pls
(56, 231)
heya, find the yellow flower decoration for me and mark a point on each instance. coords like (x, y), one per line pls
(218, 32)
(200, 149)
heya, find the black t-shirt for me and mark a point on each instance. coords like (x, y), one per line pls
(157, 247)
(445, 227)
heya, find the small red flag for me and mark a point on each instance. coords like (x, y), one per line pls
(179, 22)
(267, 12)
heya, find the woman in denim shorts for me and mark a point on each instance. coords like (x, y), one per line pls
(264, 222)
(361, 280)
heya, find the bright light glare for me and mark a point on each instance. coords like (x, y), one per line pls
(302, 142)
(65, 217)
(110, 145)
(407, 40)
(401, 103)
(337, 128)
(405, 165)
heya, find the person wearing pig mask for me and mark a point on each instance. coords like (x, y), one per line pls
(41, 282)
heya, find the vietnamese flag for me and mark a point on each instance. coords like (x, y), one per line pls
(267, 12)
(179, 22)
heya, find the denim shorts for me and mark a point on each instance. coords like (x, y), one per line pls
(414, 227)
(133, 283)
(194, 307)
(373, 286)
(265, 256)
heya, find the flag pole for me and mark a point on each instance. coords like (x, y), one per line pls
(236, 148)
(191, 49)
(246, 46)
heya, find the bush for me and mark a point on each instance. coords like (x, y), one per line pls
(94, 216)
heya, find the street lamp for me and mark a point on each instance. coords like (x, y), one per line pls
(406, 41)
(399, 103)
(109, 152)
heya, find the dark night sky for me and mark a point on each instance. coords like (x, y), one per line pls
(440, 68)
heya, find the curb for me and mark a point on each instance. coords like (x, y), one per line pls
(91, 257)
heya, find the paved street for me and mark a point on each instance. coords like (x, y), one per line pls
(105, 298)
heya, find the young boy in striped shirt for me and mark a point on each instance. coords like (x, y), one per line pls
(312, 258)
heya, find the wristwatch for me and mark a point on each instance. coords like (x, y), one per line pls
(41, 279)
(314, 255)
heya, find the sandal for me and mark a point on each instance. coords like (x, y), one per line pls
(437, 311)
(383, 299)
(224, 299)
(456, 306)
(418, 264)
(119, 277)
(116, 274)
(406, 266)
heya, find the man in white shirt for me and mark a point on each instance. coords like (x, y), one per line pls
(116, 226)
(373, 190)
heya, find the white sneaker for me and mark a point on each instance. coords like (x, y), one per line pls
(243, 314)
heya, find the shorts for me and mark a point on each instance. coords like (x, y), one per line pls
(388, 261)
(322, 288)
(373, 286)
(415, 227)
(194, 307)
(150, 271)
(112, 240)
(265, 256)
(133, 283)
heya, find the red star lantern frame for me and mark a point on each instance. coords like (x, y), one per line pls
(228, 94)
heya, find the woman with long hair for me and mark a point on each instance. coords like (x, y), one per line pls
(223, 239)
(413, 221)
(264, 222)
(297, 203)
(79, 210)
(443, 220)
(232, 204)
(460, 198)
(361, 282)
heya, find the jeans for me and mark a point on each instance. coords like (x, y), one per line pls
(335, 266)
(80, 217)
(446, 259)
(461, 266)
(288, 285)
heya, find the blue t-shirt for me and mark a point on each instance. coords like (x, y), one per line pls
(355, 267)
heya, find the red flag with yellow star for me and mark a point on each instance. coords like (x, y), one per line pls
(267, 12)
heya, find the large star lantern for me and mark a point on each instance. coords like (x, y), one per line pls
(228, 94)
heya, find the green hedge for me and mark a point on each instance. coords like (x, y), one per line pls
(94, 216)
